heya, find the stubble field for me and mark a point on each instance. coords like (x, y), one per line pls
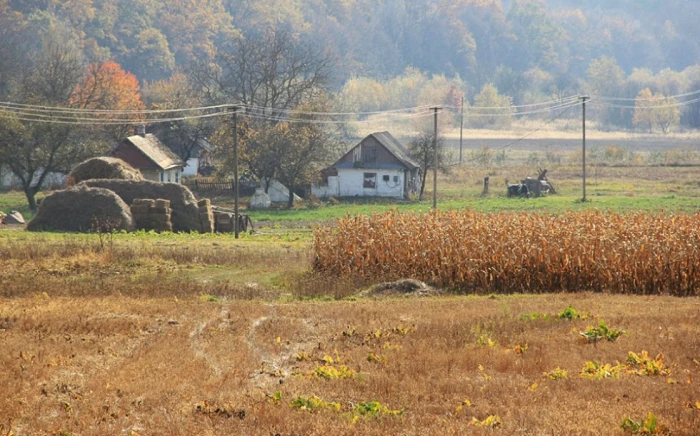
(190, 334)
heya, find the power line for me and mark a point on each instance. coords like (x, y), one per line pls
(551, 120)
(660, 106)
(688, 94)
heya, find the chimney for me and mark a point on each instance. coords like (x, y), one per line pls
(141, 130)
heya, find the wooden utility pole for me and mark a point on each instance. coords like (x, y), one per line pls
(583, 107)
(461, 128)
(235, 170)
(435, 157)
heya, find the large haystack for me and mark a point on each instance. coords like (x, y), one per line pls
(104, 168)
(82, 209)
(185, 212)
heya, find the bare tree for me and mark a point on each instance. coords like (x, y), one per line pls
(271, 70)
(32, 150)
(422, 151)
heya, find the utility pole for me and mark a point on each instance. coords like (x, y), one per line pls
(461, 128)
(435, 157)
(584, 98)
(235, 169)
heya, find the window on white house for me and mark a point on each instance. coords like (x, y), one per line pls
(177, 177)
(168, 176)
(396, 179)
(369, 180)
(385, 177)
(162, 176)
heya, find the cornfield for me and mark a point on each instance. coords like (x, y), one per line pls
(637, 253)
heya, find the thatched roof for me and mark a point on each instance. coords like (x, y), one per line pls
(104, 168)
(82, 209)
(156, 151)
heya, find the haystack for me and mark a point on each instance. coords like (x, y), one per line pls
(185, 212)
(82, 209)
(104, 168)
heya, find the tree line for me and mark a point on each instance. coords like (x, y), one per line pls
(324, 56)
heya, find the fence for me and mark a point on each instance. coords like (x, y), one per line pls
(218, 187)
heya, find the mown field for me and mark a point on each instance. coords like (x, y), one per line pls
(204, 334)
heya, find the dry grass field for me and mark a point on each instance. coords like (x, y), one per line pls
(120, 365)
(147, 334)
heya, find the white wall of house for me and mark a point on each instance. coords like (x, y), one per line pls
(52, 180)
(363, 182)
(191, 168)
(173, 175)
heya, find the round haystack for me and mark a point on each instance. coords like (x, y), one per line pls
(82, 209)
(104, 168)
(185, 212)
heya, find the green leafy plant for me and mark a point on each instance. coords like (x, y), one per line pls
(313, 404)
(595, 334)
(556, 374)
(649, 425)
(571, 314)
(330, 372)
(376, 358)
(275, 398)
(595, 370)
(374, 408)
(643, 364)
(491, 421)
(533, 316)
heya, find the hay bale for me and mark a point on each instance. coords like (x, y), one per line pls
(204, 203)
(139, 209)
(144, 202)
(104, 168)
(82, 209)
(185, 213)
(159, 210)
(163, 203)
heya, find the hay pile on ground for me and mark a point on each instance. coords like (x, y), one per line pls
(206, 215)
(405, 288)
(103, 168)
(185, 211)
(82, 209)
(152, 214)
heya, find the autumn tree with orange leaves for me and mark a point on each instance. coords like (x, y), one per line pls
(107, 86)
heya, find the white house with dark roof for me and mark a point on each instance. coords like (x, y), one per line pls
(150, 156)
(379, 166)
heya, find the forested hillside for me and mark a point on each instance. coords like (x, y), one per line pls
(380, 38)
(637, 59)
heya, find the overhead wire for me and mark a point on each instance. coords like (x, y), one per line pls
(606, 98)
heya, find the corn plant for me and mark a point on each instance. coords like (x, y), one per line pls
(639, 253)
